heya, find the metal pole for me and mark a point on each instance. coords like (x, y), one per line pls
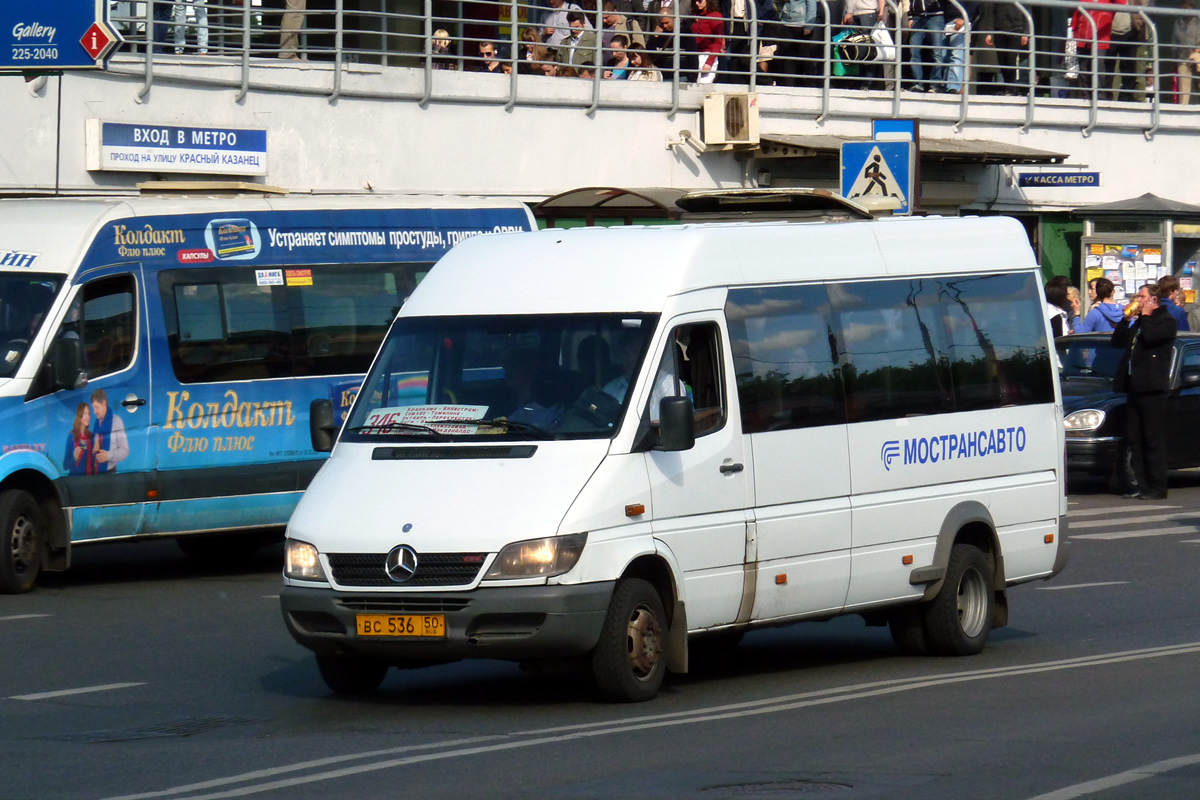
(1029, 93)
(245, 53)
(1152, 89)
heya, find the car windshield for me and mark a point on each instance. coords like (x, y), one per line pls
(544, 376)
(25, 297)
(1088, 358)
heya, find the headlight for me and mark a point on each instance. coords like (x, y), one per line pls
(302, 561)
(536, 558)
(1087, 420)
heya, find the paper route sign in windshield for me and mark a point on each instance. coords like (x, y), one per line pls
(440, 418)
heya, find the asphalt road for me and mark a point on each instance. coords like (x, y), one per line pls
(142, 675)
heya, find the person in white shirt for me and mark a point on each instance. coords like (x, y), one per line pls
(554, 24)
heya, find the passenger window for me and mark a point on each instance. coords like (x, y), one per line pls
(691, 367)
(102, 317)
(894, 357)
(997, 342)
(785, 358)
(237, 324)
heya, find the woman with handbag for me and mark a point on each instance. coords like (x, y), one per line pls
(863, 14)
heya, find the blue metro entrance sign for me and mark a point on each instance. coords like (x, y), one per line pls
(41, 36)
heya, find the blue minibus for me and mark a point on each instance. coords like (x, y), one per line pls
(159, 355)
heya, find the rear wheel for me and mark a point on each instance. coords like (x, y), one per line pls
(959, 619)
(23, 529)
(629, 662)
(354, 675)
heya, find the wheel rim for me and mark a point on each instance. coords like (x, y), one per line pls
(972, 602)
(645, 642)
(23, 542)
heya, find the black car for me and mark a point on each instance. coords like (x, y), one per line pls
(1095, 412)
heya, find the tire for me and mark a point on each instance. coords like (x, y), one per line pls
(352, 676)
(907, 625)
(959, 619)
(629, 661)
(22, 541)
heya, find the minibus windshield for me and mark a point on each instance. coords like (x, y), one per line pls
(25, 297)
(544, 376)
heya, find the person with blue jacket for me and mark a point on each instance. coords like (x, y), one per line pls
(1171, 296)
(1104, 314)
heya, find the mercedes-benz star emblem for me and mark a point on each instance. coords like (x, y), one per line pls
(401, 563)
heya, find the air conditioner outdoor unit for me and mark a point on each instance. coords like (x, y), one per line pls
(730, 119)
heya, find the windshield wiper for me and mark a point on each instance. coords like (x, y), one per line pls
(523, 427)
(407, 427)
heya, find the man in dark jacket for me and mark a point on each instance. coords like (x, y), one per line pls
(1011, 41)
(1147, 335)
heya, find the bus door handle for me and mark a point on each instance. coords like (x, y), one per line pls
(137, 401)
(727, 469)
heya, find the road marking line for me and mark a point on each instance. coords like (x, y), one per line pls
(1120, 779)
(270, 597)
(594, 729)
(68, 692)
(1080, 586)
(1133, 518)
(1178, 530)
(24, 616)
(1189, 541)
(1117, 510)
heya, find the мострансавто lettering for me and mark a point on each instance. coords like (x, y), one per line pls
(951, 446)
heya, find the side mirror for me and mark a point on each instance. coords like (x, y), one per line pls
(321, 426)
(66, 364)
(1190, 379)
(677, 425)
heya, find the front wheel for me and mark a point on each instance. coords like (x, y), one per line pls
(355, 676)
(959, 619)
(24, 531)
(628, 663)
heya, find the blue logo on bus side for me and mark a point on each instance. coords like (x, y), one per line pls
(947, 446)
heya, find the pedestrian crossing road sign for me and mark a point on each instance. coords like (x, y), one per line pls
(878, 169)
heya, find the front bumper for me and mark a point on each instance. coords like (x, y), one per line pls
(513, 623)
(1093, 455)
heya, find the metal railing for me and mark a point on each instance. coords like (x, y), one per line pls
(1006, 54)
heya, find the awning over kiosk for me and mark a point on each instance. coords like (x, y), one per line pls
(609, 204)
(1148, 206)
(950, 151)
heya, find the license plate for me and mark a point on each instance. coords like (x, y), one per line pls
(401, 625)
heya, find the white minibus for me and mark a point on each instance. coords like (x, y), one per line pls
(597, 444)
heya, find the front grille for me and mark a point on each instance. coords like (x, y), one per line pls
(405, 605)
(433, 569)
